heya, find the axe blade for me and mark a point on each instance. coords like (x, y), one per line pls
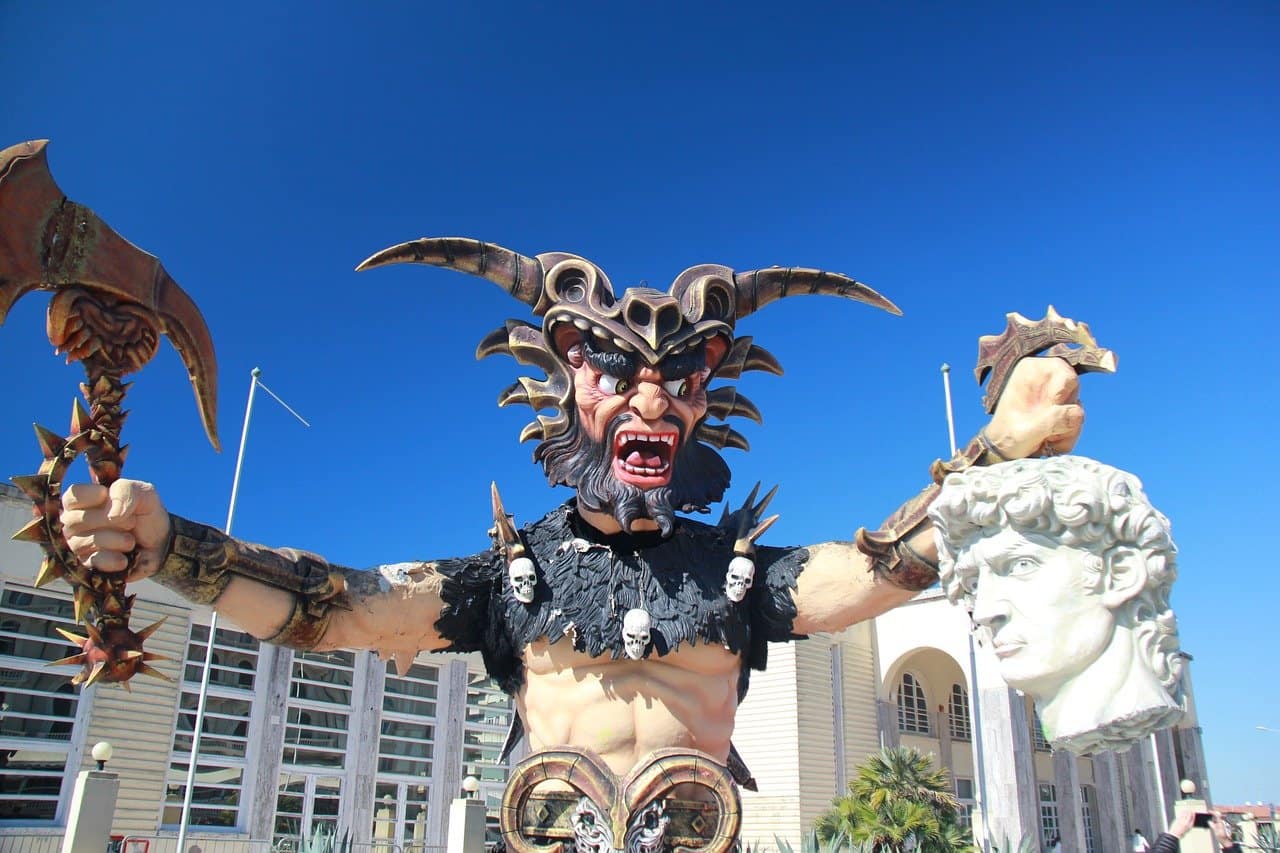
(49, 242)
(1054, 335)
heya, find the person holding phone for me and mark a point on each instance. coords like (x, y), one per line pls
(1171, 841)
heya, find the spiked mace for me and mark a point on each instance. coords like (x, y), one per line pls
(111, 301)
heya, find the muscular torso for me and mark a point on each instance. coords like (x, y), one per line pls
(625, 709)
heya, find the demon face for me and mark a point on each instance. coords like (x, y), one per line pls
(630, 450)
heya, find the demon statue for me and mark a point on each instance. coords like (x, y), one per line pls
(1067, 568)
(625, 633)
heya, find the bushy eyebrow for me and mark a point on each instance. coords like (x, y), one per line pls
(613, 362)
(684, 364)
(624, 364)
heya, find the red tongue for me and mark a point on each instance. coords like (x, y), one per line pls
(639, 460)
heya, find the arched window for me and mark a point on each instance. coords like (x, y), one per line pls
(913, 711)
(958, 713)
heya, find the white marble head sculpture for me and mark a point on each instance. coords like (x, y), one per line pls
(1067, 568)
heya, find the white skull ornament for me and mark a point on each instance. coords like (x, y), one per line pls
(741, 574)
(635, 633)
(524, 579)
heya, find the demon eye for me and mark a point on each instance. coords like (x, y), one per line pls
(677, 387)
(613, 385)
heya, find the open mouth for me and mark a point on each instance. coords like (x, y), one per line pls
(644, 458)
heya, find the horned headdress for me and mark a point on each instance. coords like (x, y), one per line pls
(575, 299)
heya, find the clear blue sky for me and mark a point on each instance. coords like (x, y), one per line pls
(966, 161)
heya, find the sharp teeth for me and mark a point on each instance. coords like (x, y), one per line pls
(648, 438)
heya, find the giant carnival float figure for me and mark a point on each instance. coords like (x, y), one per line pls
(625, 633)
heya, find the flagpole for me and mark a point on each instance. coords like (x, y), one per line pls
(213, 624)
(974, 710)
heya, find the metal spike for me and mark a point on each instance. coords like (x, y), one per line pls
(51, 443)
(726, 402)
(154, 656)
(532, 430)
(132, 654)
(736, 439)
(151, 629)
(494, 343)
(76, 639)
(761, 528)
(98, 668)
(764, 503)
(125, 685)
(759, 358)
(33, 531)
(80, 420)
(50, 571)
(721, 435)
(513, 393)
(154, 673)
(79, 678)
(76, 659)
(81, 601)
(33, 486)
(94, 634)
(712, 434)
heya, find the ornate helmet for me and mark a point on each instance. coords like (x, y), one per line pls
(575, 300)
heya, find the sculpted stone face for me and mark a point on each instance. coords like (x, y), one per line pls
(1043, 608)
(1068, 568)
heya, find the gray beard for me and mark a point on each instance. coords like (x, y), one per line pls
(699, 478)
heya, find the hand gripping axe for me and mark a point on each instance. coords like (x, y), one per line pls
(110, 302)
(1054, 335)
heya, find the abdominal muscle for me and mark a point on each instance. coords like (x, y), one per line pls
(624, 709)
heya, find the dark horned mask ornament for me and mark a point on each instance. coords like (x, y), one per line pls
(578, 307)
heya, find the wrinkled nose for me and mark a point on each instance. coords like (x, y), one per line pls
(650, 401)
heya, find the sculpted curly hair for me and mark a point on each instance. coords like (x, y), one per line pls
(1083, 504)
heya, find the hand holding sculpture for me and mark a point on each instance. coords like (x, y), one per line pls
(1067, 567)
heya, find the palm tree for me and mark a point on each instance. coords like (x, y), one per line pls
(898, 801)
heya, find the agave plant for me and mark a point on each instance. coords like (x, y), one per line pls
(1026, 844)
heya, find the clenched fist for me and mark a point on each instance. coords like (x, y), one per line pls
(1039, 413)
(103, 525)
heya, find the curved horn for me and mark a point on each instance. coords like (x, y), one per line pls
(757, 288)
(522, 276)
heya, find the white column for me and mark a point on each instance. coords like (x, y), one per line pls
(1112, 832)
(272, 693)
(1012, 805)
(93, 806)
(1066, 780)
(887, 713)
(1193, 760)
(362, 745)
(446, 763)
(1167, 766)
(946, 759)
(837, 716)
(1139, 774)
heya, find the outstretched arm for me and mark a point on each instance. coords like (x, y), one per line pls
(282, 596)
(1039, 413)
